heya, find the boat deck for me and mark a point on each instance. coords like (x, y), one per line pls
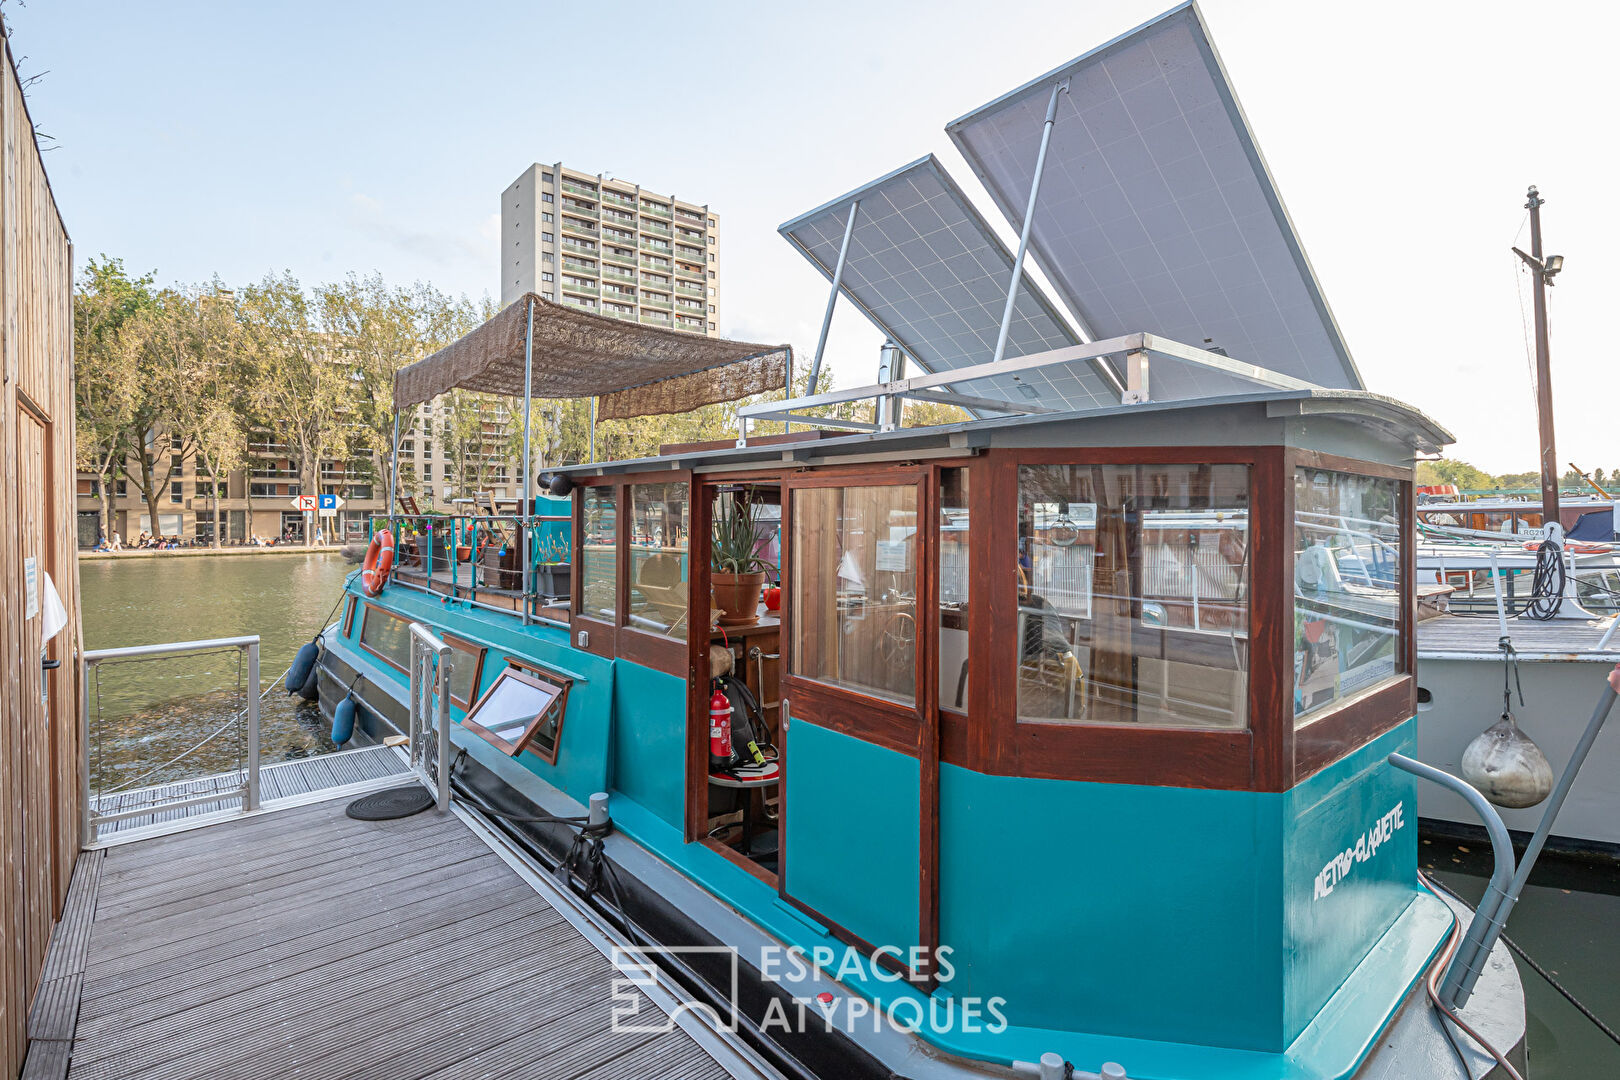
(352, 771)
(304, 943)
(1465, 637)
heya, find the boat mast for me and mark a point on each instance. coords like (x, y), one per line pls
(1543, 269)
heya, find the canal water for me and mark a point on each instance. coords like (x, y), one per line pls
(144, 713)
(153, 710)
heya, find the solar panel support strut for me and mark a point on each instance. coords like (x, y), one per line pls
(1029, 219)
(832, 297)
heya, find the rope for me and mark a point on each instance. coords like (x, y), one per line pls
(1548, 583)
(1543, 972)
(1450, 1014)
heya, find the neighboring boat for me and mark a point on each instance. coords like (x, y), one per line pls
(1073, 735)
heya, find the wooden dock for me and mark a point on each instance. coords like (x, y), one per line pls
(1449, 637)
(302, 943)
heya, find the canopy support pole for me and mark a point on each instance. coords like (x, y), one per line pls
(393, 470)
(524, 519)
(593, 429)
(1029, 219)
(832, 297)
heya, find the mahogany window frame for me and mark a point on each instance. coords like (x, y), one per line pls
(538, 677)
(456, 642)
(618, 640)
(1354, 721)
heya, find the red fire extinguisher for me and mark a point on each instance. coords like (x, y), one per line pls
(720, 752)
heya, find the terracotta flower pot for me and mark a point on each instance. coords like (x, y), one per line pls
(737, 596)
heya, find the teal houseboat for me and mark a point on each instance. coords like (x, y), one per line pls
(1059, 739)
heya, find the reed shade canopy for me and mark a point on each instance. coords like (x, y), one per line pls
(634, 370)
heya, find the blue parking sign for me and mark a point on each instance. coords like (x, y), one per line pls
(328, 502)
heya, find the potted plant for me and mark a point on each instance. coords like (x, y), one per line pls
(554, 564)
(737, 573)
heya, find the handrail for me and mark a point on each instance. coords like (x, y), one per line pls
(89, 820)
(427, 688)
(1460, 976)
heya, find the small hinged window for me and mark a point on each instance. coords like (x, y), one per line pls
(522, 711)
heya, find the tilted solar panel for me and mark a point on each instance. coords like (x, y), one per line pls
(1156, 210)
(925, 267)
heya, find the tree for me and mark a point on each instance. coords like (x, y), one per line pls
(1460, 473)
(105, 383)
(382, 329)
(211, 406)
(296, 386)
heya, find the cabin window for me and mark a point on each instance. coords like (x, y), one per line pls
(1133, 594)
(523, 710)
(855, 588)
(388, 637)
(1347, 586)
(660, 533)
(953, 589)
(599, 554)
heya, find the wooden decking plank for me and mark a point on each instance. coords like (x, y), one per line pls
(47, 1059)
(124, 938)
(674, 1057)
(56, 1008)
(434, 1019)
(70, 938)
(240, 1024)
(402, 914)
(207, 981)
(440, 1039)
(314, 855)
(353, 1003)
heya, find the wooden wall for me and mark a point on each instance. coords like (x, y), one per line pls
(39, 745)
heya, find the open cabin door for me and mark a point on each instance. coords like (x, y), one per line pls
(861, 743)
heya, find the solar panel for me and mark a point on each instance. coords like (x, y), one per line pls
(925, 267)
(1156, 210)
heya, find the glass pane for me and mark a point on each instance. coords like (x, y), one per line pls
(855, 588)
(953, 589)
(387, 635)
(463, 666)
(599, 567)
(1347, 589)
(512, 705)
(660, 527)
(1133, 600)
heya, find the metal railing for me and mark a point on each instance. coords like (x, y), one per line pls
(473, 558)
(431, 666)
(91, 818)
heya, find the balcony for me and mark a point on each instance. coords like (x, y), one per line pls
(656, 248)
(579, 267)
(580, 189)
(588, 288)
(656, 229)
(689, 290)
(583, 245)
(655, 318)
(569, 206)
(656, 211)
(618, 200)
(626, 259)
(618, 275)
(688, 272)
(655, 302)
(690, 237)
(627, 314)
(655, 264)
(614, 236)
(617, 218)
(690, 254)
(570, 225)
(583, 305)
(689, 217)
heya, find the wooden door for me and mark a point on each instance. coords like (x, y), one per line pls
(36, 825)
(859, 706)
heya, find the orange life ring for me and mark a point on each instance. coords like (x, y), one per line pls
(379, 562)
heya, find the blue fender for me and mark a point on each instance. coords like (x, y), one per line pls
(303, 668)
(343, 720)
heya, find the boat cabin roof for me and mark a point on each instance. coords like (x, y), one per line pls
(1350, 423)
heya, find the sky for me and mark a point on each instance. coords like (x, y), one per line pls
(324, 139)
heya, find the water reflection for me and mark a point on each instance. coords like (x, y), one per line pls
(144, 713)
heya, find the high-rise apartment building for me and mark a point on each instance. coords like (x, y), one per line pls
(611, 247)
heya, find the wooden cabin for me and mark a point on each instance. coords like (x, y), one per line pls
(39, 641)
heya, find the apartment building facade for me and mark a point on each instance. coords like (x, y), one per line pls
(438, 466)
(612, 247)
